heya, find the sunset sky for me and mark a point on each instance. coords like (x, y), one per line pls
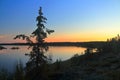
(72, 20)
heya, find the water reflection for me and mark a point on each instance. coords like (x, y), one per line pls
(65, 53)
(9, 58)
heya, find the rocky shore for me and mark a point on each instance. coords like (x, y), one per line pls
(97, 66)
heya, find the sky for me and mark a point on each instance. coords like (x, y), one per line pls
(72, 20)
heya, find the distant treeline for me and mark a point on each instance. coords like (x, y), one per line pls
(78, 44)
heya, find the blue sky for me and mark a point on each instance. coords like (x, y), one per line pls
(72, 20)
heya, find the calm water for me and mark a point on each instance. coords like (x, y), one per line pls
(9, 57)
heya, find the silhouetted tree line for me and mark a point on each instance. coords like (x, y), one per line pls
(112, 45)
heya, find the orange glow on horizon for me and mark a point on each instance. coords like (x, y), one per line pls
(77, 38)
(62, 38)
(72, 40)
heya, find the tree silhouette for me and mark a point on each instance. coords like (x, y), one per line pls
(37, 56)
(111, 46)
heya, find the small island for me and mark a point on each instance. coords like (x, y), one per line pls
(15, 48)
(1, 48)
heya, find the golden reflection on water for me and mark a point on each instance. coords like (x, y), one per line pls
(65, 52)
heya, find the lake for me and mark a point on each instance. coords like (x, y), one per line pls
(9, 58)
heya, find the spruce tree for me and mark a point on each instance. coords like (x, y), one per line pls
(35, 67)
